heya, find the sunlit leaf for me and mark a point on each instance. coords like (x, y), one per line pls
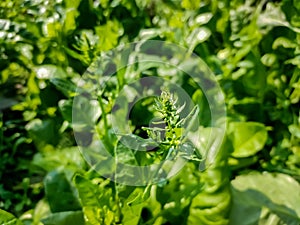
(284, 42)
(278, 193)
(247, 138)
(8, 219)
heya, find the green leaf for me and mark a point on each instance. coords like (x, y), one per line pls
(89, 199)
(138, 196)
(269, 59)
(43, 132)
(284, 42)
(85, 112)
(198, 36)
(59, 193)
(51, 160)
(112, 30)
(126, 148)
(295, 130)
(211, 205)
(65, 218)
(70, 21)
(274, 16)
(67, 87)
(8, 219)
(97, 200)
(135, 142)
(254, 194)
(247, 138)
(137, 200)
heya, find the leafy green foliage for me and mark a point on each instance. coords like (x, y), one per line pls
(251, 46)
(211, 204)
(64, 218)
(7, 218)
(257, 199)
(97, 201)
(59, 193)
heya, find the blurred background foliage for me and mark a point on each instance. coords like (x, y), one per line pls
(252, 47)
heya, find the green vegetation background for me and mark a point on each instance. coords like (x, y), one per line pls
(251, 46)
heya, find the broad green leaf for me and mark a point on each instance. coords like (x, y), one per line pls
(65, 218)
(70, 20)
(137, 200)
(8, 219)
(43, 132)
(64, 85)
(85, 112)
(255, 194)
(132, 214)
(135, 142)
(211, 205)
(59, 193)
(51, 160)
(89, 200)
(124, 154)
(247, 138)
(86, 191)
(99, 155)
(113, 30)
(97, 201)
(295, 130)
(138, 196)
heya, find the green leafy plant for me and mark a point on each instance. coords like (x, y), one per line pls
(170, 133)
(251, 46)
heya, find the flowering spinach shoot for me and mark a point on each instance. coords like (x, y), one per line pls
(169, 131)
